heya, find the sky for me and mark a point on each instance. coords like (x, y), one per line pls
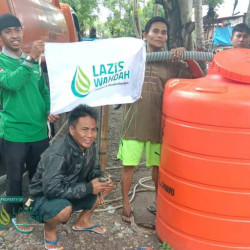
(226, 9)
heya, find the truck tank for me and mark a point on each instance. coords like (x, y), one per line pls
(46, 20)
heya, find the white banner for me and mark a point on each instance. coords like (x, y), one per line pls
(96, 73)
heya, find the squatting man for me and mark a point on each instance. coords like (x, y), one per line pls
(68, 178)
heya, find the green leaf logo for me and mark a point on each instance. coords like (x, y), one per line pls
(4, 218)
(81, 84)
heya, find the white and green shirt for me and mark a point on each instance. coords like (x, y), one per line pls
(24, 96)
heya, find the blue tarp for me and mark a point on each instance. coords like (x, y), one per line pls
(222, 36)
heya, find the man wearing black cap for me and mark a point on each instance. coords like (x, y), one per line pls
(26, 103)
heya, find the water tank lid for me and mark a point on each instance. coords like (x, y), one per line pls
(233, 64)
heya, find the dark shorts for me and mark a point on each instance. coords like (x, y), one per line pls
(43, 209)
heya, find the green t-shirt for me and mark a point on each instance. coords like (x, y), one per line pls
(25, 99)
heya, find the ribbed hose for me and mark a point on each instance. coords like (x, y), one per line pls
(191, 55)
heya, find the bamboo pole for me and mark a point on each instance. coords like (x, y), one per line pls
(104, 137)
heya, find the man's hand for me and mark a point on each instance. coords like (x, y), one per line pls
(37, 49)
(101, 187)
(53, 118)
(176, 53)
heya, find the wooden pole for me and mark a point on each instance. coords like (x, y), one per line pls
(104, 137)
(136, 20)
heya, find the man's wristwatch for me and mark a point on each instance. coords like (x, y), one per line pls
(31, 60)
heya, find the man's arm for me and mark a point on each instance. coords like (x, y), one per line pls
(96, 172)
(194, 67)
(55, 184)
(14, 80)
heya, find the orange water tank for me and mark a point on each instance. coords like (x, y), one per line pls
(204, 184)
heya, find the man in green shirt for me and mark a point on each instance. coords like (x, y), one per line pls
(25, 99)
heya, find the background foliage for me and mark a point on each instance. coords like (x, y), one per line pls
(119, 21)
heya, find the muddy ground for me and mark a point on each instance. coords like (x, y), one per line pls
(119, 235)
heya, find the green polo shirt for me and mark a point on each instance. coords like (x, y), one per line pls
(25, 99)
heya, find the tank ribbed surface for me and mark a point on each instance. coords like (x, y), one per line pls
(204, 184)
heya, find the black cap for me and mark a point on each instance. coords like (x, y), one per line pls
(8, 20)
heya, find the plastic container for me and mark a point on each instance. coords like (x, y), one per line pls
(204, 183)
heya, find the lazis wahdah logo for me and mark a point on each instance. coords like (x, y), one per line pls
(106, 74)
(80, 85)
(102, 75)
(4, 218)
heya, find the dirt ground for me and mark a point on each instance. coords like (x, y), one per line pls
(119, 235)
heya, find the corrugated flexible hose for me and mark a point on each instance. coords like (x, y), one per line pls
(186, 55)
